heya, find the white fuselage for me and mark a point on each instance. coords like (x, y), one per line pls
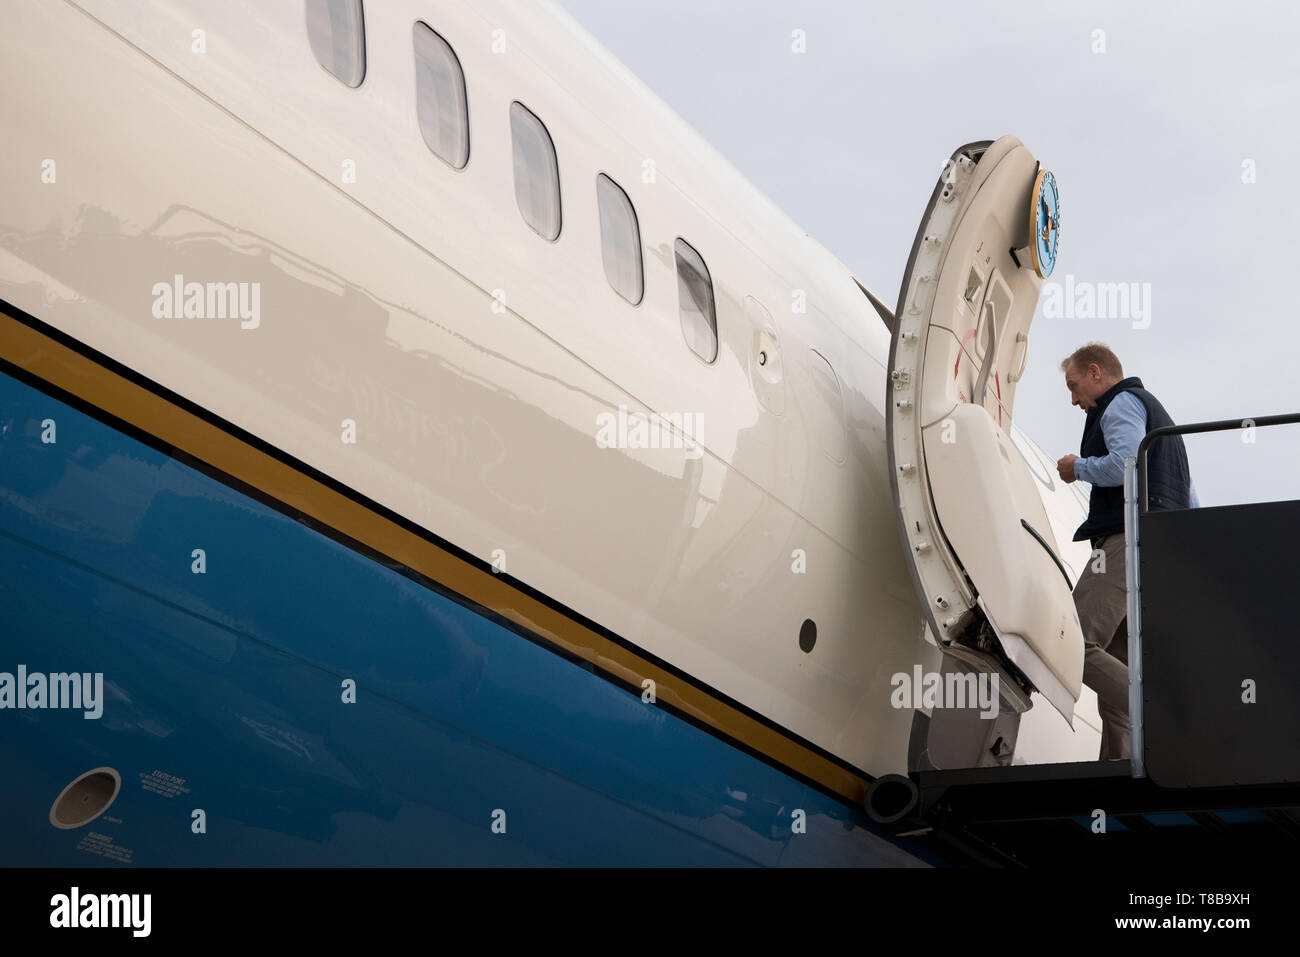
(473, 357)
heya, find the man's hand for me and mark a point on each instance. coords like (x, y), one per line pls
(1066, 467)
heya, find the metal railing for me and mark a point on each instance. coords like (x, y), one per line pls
(1135, 505)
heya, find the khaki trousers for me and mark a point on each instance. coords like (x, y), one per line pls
(1101, 597)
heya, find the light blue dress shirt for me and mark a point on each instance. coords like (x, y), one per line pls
(1124, 423)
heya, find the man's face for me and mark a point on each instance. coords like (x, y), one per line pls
(1086, 386)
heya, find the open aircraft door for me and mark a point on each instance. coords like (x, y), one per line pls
(978, 540)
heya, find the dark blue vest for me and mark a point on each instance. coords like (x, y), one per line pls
(1169, 482)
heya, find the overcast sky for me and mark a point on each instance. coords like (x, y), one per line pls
(1148, 141)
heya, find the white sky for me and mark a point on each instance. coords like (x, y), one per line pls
(1147, 141)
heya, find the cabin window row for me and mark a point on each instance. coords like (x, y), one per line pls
(336, 32)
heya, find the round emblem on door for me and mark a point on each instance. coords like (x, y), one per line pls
(1045, 223)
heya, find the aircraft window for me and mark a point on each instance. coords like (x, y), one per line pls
(336, 31)
(537, 172)
(440, 98)
(620, 240)
(695, 297)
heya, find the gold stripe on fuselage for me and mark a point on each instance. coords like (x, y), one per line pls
(83, 377)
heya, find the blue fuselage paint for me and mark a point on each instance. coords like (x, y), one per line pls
(224, 692)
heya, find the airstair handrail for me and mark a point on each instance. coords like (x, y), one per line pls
(1223, 425)
(1135, 505)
